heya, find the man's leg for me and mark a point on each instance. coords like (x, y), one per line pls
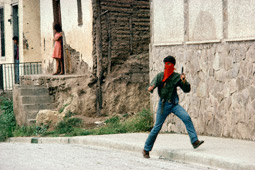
(184, 116)
(160, 118)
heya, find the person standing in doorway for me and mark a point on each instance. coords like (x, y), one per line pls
(167, 83)
(16, 58)
(57, 53)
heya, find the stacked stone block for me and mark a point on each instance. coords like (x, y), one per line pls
(222, 98)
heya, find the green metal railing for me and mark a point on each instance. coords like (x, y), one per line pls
(11, 72)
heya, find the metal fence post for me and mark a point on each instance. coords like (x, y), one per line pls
(9, 72)
(1, 78)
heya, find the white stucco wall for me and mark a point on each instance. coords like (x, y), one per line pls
(168, 21)
(46, 20)
(78, 37)
(205, 20)
(8, 34)
(29, 31)
(8, 58)
(29, 27)
(241, 22)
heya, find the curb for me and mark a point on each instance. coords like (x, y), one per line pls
(206, 160)
(191, 157)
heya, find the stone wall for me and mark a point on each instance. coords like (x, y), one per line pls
(123, 68)
(217, 54)
(124, 89)
(125, 29)
(222, 97)
(70, 92)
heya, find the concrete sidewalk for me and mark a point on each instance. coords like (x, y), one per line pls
(215, 152)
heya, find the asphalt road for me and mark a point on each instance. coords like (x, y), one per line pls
(24, 156)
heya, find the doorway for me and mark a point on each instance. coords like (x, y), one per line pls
(57, 20)
(15, 23)
(57, 12)
(15, 19)
(2, 33)
(1, 78)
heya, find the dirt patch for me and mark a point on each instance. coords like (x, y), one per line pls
(92, 122)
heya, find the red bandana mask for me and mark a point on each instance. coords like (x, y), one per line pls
(169, 69)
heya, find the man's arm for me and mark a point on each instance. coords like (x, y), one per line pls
(184, 84)
(154, 83)
(151, 88)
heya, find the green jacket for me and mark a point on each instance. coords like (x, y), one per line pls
(169, 91)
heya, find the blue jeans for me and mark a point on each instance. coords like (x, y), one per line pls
(161, 117)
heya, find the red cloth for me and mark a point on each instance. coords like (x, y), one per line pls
(169, 69)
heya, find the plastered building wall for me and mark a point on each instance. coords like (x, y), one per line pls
(218, 59)
(241, 23)
(8, 58)
(9, 46)
(29, 30)
(205, 23)
(46, 21)
(77, 37)
(168, 24)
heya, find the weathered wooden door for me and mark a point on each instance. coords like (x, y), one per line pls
(56, 12)
(1, 78)
(57, 20)
(15, 19)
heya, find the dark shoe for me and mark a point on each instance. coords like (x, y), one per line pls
(146, 154)
(56, 73)
(197, 144)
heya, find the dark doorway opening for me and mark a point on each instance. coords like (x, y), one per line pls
(1, 78)
(57, 12)
(15, 23)
(15, 19)
(2, 33)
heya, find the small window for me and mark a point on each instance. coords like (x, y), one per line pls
(2, 32)
(79, 13)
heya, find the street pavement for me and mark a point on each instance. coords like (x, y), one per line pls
(222, 153)
(26, 156)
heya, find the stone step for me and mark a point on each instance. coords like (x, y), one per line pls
(31, 114)
(39, 99)
(49, 106)
(28, 91)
